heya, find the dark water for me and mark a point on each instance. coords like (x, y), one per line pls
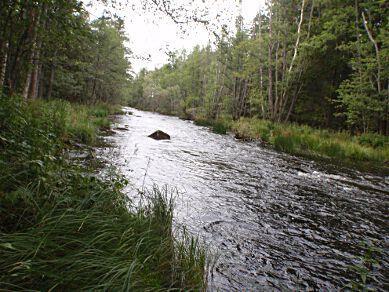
(277, 221)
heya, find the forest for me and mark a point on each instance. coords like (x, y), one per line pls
(50, 49)
(315, 62)
(304, 90)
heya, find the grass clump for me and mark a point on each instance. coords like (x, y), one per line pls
(203, 122)
(64, 228)
(220, 126)
(103, 110)
(285, 143)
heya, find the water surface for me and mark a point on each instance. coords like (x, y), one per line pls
(277, 221)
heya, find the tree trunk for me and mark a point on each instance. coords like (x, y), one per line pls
(3, 63)
(370, 35)
(32, 32)
(293, 103)
(296, 46)
(51, 81)
(260, 69)
(270, 70)
(276, 84)
(34, 84)
(36, 73)
(261, 89)
(285, 100)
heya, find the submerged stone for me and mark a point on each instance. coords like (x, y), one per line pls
(239, 136)
(159, 135)
(121, 128)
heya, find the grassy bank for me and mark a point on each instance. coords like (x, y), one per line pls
(221, 126)
(64, 228)
(370, 149)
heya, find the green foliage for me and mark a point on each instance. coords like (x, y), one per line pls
(365, 267)
(219, 127)
(63, 227)
(373, 140)
(362, 95)
(362, 104)
(203, 122)
(285, 143)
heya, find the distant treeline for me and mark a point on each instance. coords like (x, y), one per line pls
(317, 62)
(50, 49)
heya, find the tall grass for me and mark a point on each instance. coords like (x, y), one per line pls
(219, 126)
(302, 139)
(63, 228)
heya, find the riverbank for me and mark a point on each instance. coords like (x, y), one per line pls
(370, 151)
(63, 227)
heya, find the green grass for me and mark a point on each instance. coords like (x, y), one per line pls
(64, 228)
(73, 122)
(369, 149)
(300, 139)
(220, 126)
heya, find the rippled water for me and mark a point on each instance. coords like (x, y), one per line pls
(277, 221)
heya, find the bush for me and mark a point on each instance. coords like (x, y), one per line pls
(373, 140)
(220, 127)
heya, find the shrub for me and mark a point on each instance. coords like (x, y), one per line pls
(373, 140)
(220, 127)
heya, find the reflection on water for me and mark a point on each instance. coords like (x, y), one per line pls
(277, 221)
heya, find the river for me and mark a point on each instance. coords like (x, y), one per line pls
(276, 221)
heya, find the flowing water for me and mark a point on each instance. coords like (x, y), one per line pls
(277, 222)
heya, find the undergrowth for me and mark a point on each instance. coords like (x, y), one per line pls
(305, 140)
(219, 126)
(371, 149)
(300, 139)
(63, 228)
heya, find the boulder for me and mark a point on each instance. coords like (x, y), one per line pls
(159, 135)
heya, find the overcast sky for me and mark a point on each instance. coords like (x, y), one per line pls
(152, 34)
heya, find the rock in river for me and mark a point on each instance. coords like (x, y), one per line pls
(121, 128)
(159, 135)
